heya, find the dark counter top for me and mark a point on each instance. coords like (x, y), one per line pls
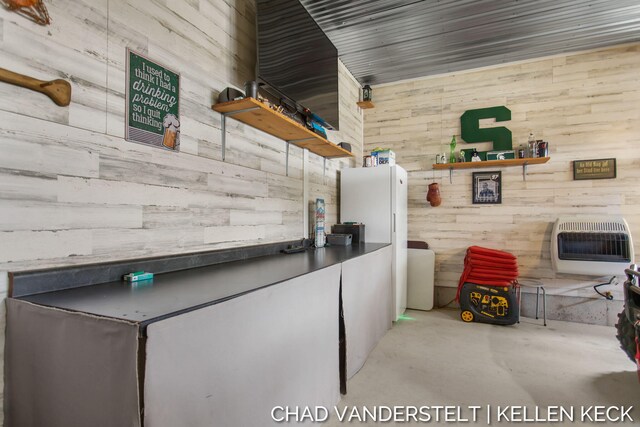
(181, 291)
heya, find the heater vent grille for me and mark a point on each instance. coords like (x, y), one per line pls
(592, 226)
(591, 245)
(609, 247)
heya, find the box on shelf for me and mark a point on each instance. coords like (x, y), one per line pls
(339, 239)
(385, 157)
(501, 155)
(356, 231)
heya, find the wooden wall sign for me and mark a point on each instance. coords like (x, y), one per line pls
(152, 104)
(594, 169)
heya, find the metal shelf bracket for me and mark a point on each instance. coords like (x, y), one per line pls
(223, 127)
(286, 163)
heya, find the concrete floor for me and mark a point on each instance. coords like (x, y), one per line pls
(433, 358)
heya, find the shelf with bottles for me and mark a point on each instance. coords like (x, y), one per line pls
(492, 163)
(539, 148)
(257, 114)
(524, 162)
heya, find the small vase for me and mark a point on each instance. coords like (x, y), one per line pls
(433, 196)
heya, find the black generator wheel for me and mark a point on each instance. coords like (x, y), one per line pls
(626, 335)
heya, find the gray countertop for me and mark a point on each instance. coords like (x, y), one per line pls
(177, 292)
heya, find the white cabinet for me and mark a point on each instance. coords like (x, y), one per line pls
(377, 197)
(231, 363)
(366, 302)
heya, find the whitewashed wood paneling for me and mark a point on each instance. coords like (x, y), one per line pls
(18, 185)
(48, 157)
(586, 105)
(27, 245)
(27, 215)
(167, 217)
(255, 217)
(233, 233)
(73, 191)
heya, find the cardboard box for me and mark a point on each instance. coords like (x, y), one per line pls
(501, 155)
(385, 157)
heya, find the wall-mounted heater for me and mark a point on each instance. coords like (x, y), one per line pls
(591, 245)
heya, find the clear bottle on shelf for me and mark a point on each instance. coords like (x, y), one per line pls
(532, 146)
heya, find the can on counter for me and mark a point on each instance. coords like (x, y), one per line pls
(367, 162)
(543, 149)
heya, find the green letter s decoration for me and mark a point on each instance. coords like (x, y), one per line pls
(471, 132)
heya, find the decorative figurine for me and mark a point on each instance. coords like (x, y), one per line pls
(475, 157)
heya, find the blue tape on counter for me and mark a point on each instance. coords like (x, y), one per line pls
(135, 277)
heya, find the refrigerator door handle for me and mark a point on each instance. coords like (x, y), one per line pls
(394, 222)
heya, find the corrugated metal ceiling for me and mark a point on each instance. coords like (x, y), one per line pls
(382, 41)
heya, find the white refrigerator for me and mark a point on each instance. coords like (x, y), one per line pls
(377, 198)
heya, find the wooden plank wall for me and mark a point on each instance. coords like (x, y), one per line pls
(72, 190)
(586, 105)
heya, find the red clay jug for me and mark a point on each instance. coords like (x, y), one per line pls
(433, 196)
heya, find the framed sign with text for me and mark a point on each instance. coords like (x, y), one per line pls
(594, 169)
(152, 103)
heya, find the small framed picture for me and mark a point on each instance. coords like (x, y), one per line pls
(487, 188)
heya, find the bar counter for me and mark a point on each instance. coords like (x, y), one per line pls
(177, 292)
(215, 344)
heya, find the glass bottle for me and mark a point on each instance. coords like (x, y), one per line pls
(461, 159)
(452, 147)
(533, 152)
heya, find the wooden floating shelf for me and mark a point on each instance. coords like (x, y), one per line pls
(365, 104)
(254, 113)
(492, 163)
